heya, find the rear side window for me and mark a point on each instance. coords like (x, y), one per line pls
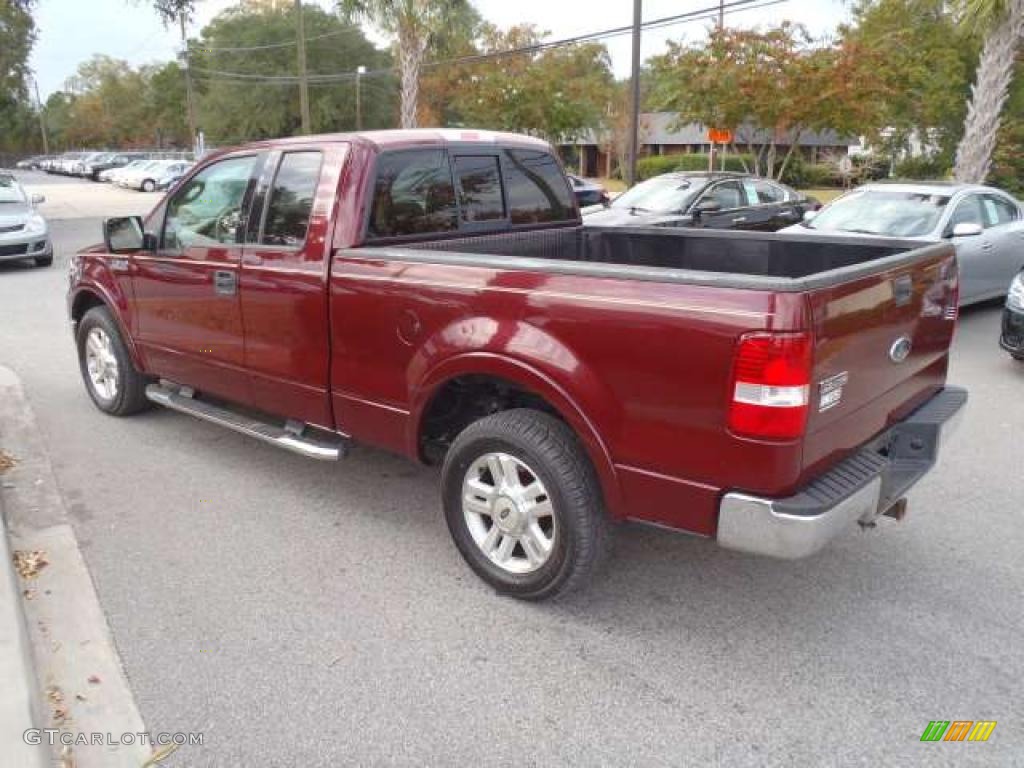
(291, 199)
(537, 190)
(413, 194)
(479, 179)
(765, 192)
(998, 210)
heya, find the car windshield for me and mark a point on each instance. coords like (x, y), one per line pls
(664, 194)
(10, 191)
(892, 213)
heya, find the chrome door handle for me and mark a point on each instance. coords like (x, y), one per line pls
(788, 213)
(225, 282)
(739, 219)
(986, 246)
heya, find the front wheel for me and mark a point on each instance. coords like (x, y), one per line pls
(112, 381)
(148, 185)
(523, 504)
(43, 261)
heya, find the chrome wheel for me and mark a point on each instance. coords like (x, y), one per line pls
(508, 512)
(101, 364)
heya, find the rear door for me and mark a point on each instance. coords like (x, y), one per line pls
(1005, 231)
(284, 282)
(881, 348)
(186, 293)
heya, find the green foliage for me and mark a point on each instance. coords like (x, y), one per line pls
(240, 107)
(923, 167)
(1008, 160)
(557, 94)
(646, 167)
(17, 36)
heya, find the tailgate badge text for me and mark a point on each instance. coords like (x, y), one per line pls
(830, 391)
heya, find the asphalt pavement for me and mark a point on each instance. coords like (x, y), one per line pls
(308, 614)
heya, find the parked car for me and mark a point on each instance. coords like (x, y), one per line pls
(171, 173)
(709, 200)
(80, 166)
(145, 176)
(113, 174)
(30, 163)
(433, 293)
(588, 192)
(24, 233)
(1012, 337)
(112, 160)
(985, 224)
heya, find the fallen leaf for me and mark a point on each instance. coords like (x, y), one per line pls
(80, 697)
(6, 461)
(29, 564)
(94, 679)
(67, 758)
(30, 594)
(159, 755)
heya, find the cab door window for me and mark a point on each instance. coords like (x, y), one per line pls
(208, 209)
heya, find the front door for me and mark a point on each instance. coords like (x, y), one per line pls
(972, 251)
(187, 301)
(732, 211)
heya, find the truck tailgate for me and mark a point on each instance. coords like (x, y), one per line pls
(881, 348)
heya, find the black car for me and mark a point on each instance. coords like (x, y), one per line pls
(705, 199)
(587, 192)
(118, 160)
(1012, 338)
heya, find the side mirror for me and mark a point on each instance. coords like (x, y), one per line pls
(125, 234)
(809, 215)
(37, 199)
(706, 206)
(965, 229)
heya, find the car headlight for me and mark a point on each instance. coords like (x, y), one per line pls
(36, 223)
(1015, 298)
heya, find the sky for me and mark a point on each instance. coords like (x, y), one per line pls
(71, 31)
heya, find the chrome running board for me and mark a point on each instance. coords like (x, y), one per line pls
(291, 436)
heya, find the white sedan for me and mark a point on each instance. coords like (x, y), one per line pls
(985, 224)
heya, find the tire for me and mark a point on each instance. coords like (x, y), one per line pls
(128, 394)
(1018, 357)
(573, 530)
(148, 185)
(43, 261)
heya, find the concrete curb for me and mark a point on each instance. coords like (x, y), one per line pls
(85, 689)
(19, 693)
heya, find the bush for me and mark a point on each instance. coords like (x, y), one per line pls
(923, 167)
(1008, 160)
(646, 167)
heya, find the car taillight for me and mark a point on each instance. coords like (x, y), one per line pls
(770, 385)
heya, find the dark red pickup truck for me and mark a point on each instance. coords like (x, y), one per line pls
(433, 293)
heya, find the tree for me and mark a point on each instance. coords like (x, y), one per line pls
(181, 12)
(414, 25)
(17, 36)
(247, 94)
(556, 94)
(1002, 24)
(923, 61)
(769, 87)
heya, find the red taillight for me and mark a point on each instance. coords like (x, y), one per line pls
(770, 385)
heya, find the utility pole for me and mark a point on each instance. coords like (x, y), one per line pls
(189, 101)
(42, 118)
(634, 123)
(721, 14)
(360, 71)
(303, 80)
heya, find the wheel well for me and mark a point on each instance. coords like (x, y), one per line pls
(84, 301)
(465, 399)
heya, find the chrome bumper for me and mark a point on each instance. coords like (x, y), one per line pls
(859, 488)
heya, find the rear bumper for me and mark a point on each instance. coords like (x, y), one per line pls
(859, 488)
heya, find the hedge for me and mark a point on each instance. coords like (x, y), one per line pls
(646, 167)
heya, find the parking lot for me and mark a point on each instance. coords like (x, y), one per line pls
(308, 614)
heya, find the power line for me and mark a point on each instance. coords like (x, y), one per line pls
(710, 12)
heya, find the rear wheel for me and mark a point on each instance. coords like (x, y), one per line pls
(112, 381)
(523, 504)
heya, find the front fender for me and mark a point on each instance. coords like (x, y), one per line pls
(533, 360)
(97, 280)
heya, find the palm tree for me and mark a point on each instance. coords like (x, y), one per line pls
(1002, 24)
(413, 24)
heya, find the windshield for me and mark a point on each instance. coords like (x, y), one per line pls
(882, 212)
(10, 192)
(664, 194)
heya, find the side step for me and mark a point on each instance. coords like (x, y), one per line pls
(290, 437)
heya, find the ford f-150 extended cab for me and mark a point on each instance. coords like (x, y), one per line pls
(433, 293)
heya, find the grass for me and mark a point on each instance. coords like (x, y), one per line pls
(824, 195)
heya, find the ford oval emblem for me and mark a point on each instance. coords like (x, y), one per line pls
(900, 349)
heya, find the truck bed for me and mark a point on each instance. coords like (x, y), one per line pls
(759, 260)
